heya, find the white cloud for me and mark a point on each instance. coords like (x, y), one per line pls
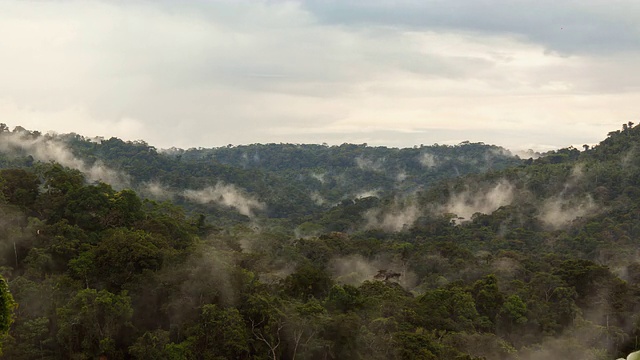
(45, 149)
(485, 200)
(227, 195)
(212, 73)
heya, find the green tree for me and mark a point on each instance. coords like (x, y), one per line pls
(512, 317)
(308, 281)
(94, 323)
(220, 334)
(151, 345)
(451, 309)
(19, 187)
(123, 254)
(488, 298)
(7, 306)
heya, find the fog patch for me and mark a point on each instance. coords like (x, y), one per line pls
(396, 218)
(368, 164)
(276, 275)
(222, 194)
(317, 198)
(227, 195)
(559, 212)
(577, 173)
(582, 341)
(47, 148)
(319, 176)
(156, 190)
(367, 193)
(308, 230)
(506, 267)
(500, 152)
(527, 154)
(355, 269)
(495, 153)
(627, 159)
(484, 200)
(428, 160)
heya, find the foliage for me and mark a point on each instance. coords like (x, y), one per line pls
(319, 272)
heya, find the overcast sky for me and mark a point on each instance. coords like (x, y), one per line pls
(533, 74)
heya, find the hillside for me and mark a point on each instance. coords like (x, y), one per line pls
(232, 184)
(470, 254)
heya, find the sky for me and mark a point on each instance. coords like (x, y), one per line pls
(522, 74)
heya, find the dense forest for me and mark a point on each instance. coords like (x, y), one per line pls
(117, 250)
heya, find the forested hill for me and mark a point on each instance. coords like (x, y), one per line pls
(284, 181)
(537, 260)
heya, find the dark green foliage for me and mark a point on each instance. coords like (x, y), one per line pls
(219, 334)
(19, 187)
(307, 281)
(94, 323)
(450, 309)
(7, 306)
(98, 271)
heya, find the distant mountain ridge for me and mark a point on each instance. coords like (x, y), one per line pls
(288, 180)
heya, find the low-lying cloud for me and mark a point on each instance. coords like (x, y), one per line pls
(227, 195)
(355, 269)
(558, 212)
(428, 160)
(223, 194)
(396, 218)
(376, 165)
(48, 148)
(483, 200)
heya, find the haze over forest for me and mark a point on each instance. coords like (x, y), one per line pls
(319, 179)
(116, 249)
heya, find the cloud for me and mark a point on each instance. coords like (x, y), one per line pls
(317, 198)
(156, 190)
(558, 212)
(226, 195)
(319, 176)
(369, 164)
(570, 27)
(223, 194)
(367, 193)
(203, 73)
(355, 269)
(485, 200)
(396, 217)
(428, 160)
(47, 148)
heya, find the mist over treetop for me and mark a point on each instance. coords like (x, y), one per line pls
(311, 252)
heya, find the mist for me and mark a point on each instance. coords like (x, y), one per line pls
(227, 195)
(156, 191)
(46, 148)
(355, 269)
(428, 160)
(393, 219)
(376, 165)
(367, 193)
(484, 200)
(558, 212)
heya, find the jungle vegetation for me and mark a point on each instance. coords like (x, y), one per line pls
(114, 249)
